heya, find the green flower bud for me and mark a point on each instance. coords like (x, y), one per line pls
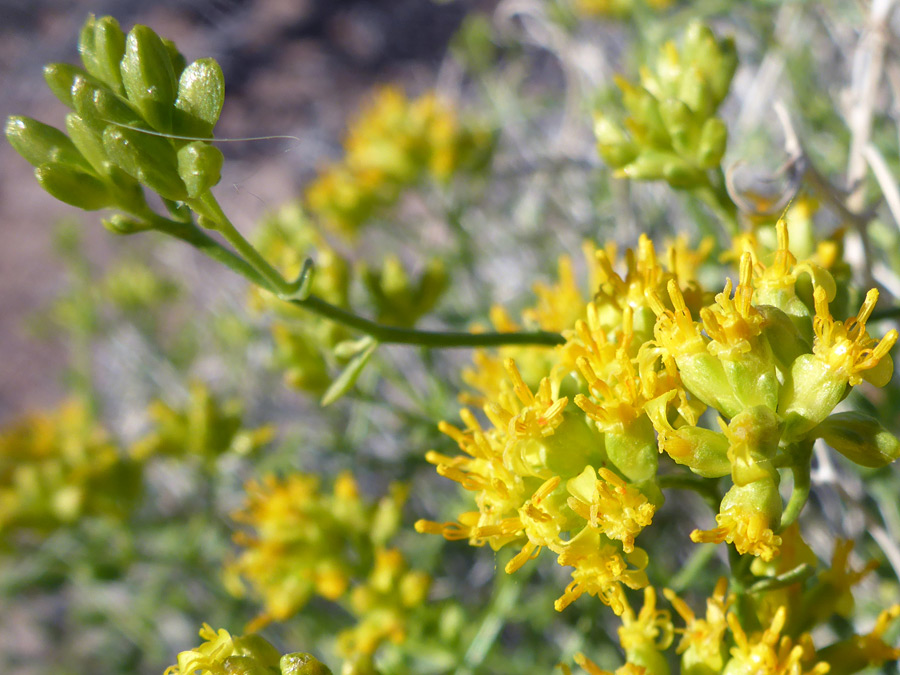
(99, 107)
(681, 175)
(713, 139)
(704, 376)
(40, 143)
(200, 167)
(300, 663)
(680, 123)
(102, 46)
(149, 77)
(859, 438)
(753, 436)
(74, 187)
(613, 144)
(634, 452)
(148, 159)
(60, 77)
(201, 92)
(810, 392)
(86, 138)
(783, 336)
(121, 224)
(176, 58)
(258, 649)
(648, 165)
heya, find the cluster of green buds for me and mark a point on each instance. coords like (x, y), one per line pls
(222, 653)
(137, 112)
(394, 144)
(775, 368)
(671, 132)
(205, 428)
(58, 467)
(303, 541)
(398, 299)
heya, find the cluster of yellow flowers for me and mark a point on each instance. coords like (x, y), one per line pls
(303, 541)
(59, 466)
(222, 653)
(643, 358)
(393, 144)
(770, 636)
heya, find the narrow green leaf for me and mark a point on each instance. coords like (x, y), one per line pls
(345, 381)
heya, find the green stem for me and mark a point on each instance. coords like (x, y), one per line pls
(385, 334)
(209, 207)
(799, 495)
(715, 196)
(193, 235)
(789, 578)
(408, 336)
(706, 488)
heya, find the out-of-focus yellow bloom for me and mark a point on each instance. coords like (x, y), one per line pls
(224, 654)
(702, 645)
(60, 466)
(205, 428)
(305, 541)
(382, 605)
(394, 144)
(768, 653)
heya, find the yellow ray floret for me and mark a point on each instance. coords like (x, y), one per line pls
(616, 509)
(749, 530)
(768, 653)
(651, 628)
(846, 347)
(703, 637)
(733, 323)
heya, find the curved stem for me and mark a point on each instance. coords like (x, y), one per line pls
(257, 274)
(408, 336)
(209, 207)
(799, 495)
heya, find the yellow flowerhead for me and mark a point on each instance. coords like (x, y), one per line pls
(702, 640)
(609, 504)
(747, 517)
(847, 348)
(768, 653)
